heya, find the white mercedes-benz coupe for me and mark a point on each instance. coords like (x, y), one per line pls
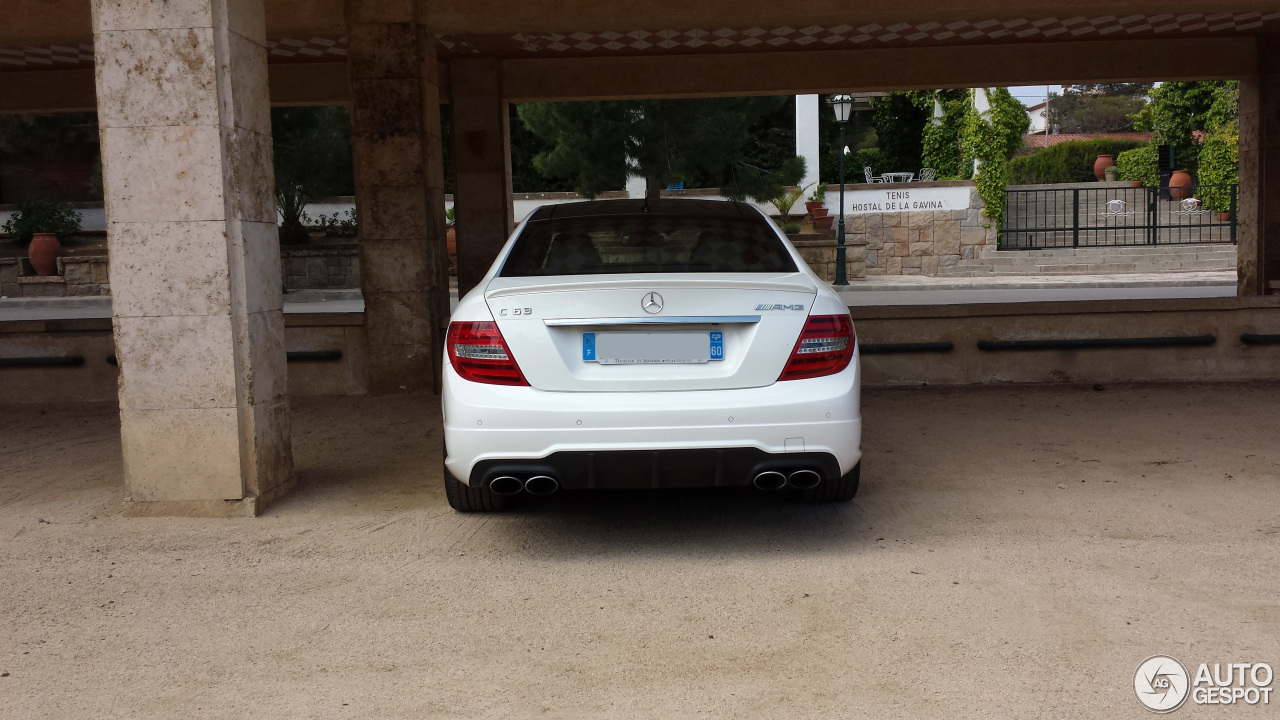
(649, 344)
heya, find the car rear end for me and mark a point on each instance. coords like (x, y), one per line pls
(621, 344)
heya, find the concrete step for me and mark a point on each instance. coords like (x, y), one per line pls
(1225, 249)
(1112, 265)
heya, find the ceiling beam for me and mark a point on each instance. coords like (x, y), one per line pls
(40, 91)
(826, 71)
(568, 16)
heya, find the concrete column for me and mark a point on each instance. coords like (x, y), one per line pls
(399, 179)
(195, 259)
(807, 143)
(482, 206)
(1258, 209)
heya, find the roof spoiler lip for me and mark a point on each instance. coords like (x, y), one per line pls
(638, 206)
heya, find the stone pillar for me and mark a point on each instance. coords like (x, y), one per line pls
(194, 253)
(482, 206)
(399, 178)
(1258, 208)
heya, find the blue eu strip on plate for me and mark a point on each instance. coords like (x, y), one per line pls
(588, 347)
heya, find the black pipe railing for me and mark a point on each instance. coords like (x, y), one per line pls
(1094, 343)
(55, 361)
(295, 356)
(313, 355)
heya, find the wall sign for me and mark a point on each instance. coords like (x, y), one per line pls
(901, 197)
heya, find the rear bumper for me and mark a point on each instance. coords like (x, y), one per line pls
(638, 469)
(813, 423)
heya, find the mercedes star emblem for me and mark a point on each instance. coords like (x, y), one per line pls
(652, 303)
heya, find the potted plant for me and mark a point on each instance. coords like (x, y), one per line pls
(1100, 165)
(1180, 184)
(817, 199)
(37, 223)
(787, 200)
(291, 203)
(1111, 173)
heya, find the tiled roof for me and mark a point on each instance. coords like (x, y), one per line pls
(1037, 140)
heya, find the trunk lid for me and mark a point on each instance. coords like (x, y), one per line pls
(759, 317)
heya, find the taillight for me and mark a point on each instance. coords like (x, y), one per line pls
(479, 354)
(825, 347)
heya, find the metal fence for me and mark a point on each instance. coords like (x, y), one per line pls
(1112, 216)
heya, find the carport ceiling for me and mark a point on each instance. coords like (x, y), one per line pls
(38, 34)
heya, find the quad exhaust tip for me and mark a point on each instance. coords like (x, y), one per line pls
(541, 485)
(770, 480)
(804, 479)
(505, 485)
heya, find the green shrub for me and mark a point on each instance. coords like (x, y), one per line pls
(40, 215)
(1068, 162)
(1219, 166)
(791, 228)
(864, 158)
(339, 225)
(987, 141)
(1140, 163)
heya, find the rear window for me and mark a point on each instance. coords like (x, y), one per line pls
(615, 244)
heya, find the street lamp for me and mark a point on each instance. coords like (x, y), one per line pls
(843, 106)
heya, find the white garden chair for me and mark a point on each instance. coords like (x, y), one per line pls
(928, 174)
(871, 178)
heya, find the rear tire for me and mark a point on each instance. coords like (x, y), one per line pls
(830, 491)
(468, 499)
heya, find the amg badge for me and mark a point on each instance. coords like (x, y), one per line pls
(779, 307)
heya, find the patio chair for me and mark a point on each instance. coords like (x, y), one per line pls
(928, 174)
(871, 178)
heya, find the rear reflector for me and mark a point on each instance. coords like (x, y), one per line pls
(825, 347)
(479, 354)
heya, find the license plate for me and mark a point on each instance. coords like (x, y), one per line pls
(656, 348)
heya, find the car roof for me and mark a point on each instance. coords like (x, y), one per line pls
(664, 206)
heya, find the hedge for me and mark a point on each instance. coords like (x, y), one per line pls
(1141, 164)
(1066, 162)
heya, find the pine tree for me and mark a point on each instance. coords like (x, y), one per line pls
(701, 142)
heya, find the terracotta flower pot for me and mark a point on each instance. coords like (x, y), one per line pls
(1101, 164)
(451, 240)
(1180, 185)
(1224, 217)
(824, 222)
(43, 252)
(819, 212)
(812, 205)
(1136, 183)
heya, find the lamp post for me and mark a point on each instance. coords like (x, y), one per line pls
(842, 105)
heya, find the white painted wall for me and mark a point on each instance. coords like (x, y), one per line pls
(807, 145)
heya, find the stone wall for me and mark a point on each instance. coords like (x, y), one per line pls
(77, 276)
(303, 268)
(918, 242)
(320, 267)
(820, 252)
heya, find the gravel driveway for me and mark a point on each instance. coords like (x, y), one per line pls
(1015, 552)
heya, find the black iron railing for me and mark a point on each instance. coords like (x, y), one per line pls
(1115, 216)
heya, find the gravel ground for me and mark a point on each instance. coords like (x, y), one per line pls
(1015, 552)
